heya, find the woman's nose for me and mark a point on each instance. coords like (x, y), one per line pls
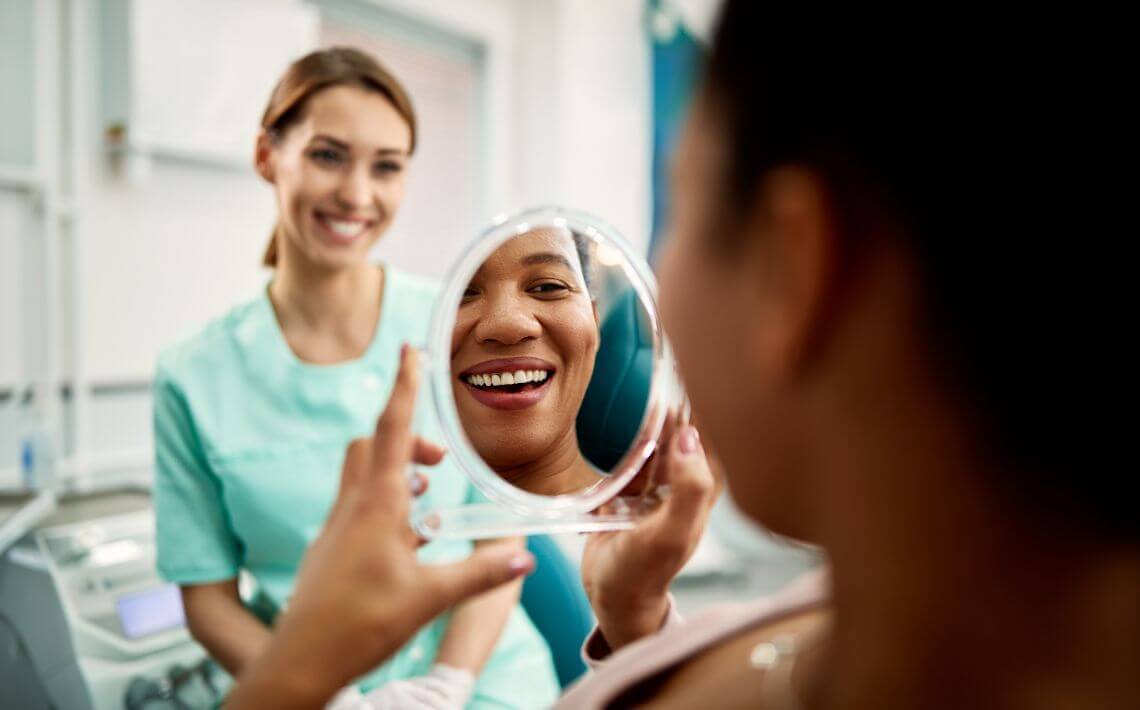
(506, 321)
(355, 189)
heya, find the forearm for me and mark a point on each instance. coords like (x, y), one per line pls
(623, 621)
(280, 678)
(232, 636)
(477, 624)
(238, 643)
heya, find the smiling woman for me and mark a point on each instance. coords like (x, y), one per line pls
(389, 126)
(253, 414)
(523, 349)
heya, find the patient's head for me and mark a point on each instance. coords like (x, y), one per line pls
(522, 352)
(882, 245)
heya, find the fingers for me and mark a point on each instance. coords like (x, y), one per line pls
(353, 473)
(419, 484)
(392, 446)
(488, 567)
(685, 469)
(427, 453)
(648, 477)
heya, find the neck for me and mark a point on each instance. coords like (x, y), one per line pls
(561, 469)
(951, 588)
(1023, 618)
(948, 590)
(326, 315)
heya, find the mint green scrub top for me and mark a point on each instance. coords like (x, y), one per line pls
(249, 442)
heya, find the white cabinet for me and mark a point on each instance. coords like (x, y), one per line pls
(189, 79)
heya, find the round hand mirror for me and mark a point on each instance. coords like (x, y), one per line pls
(550, 374)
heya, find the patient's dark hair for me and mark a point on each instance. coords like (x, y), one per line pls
(990, 155)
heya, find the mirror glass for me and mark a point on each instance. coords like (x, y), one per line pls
(552, 359)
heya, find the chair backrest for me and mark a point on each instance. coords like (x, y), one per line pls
(615, 400)
(555, 601)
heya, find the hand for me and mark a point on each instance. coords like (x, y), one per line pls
(442, 688)
(361, 593)
(627, 573)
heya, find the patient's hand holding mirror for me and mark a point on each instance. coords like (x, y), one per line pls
(550, 373)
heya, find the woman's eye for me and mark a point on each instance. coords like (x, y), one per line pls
(325, 156)
(469, 293)
(388, 167)
(549, 288)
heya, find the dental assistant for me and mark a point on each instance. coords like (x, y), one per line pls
(253, 414)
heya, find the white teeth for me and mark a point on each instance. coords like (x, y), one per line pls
(345, 229)
(518, 377)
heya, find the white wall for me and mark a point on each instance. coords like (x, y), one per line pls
(583, 104)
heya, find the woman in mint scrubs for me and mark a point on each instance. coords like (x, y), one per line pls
(253, 414)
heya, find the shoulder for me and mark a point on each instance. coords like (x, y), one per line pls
(409, 301)
(208, 351)
(679, 642)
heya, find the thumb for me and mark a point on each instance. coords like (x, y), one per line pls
(487, 568)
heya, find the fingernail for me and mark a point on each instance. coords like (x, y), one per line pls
(522, 562)
(418, 485)
(689, 441)
(403, 352)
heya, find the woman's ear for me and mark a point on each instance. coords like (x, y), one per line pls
(796, 259)
(264, 157)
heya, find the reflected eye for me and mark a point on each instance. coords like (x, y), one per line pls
(549, 289)
(326, 156)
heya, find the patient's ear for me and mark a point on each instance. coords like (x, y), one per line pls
(265, 157)
(794, 249)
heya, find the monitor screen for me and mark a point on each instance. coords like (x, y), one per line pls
(150, 611)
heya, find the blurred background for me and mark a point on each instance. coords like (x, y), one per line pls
(130, 213)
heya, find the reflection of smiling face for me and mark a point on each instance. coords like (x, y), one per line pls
(523, 350)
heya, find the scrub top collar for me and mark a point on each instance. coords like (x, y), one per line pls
(375, 355)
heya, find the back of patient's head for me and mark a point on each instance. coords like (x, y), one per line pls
(987, 158)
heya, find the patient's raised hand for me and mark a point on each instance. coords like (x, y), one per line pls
(627, 574)
(361, 593)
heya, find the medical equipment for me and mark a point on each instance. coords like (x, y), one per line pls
(85, 622)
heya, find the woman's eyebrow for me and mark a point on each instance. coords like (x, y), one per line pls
(546, 257)
(336, 143)
(329, 139)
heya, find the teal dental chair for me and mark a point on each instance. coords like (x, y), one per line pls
(618, 393)
(555, 601)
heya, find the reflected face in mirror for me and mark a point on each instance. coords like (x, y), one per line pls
(522, 354)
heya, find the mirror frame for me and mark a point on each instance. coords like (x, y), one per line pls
(663, 381)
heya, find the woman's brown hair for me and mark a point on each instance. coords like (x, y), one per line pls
(323, 69)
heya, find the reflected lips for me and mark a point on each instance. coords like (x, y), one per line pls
(501, 398)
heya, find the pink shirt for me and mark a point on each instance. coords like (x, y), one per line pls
(680, 640)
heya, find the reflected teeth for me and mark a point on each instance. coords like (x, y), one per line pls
(498, 379)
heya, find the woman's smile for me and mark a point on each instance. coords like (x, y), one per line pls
(509, 383)
(341, 229)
